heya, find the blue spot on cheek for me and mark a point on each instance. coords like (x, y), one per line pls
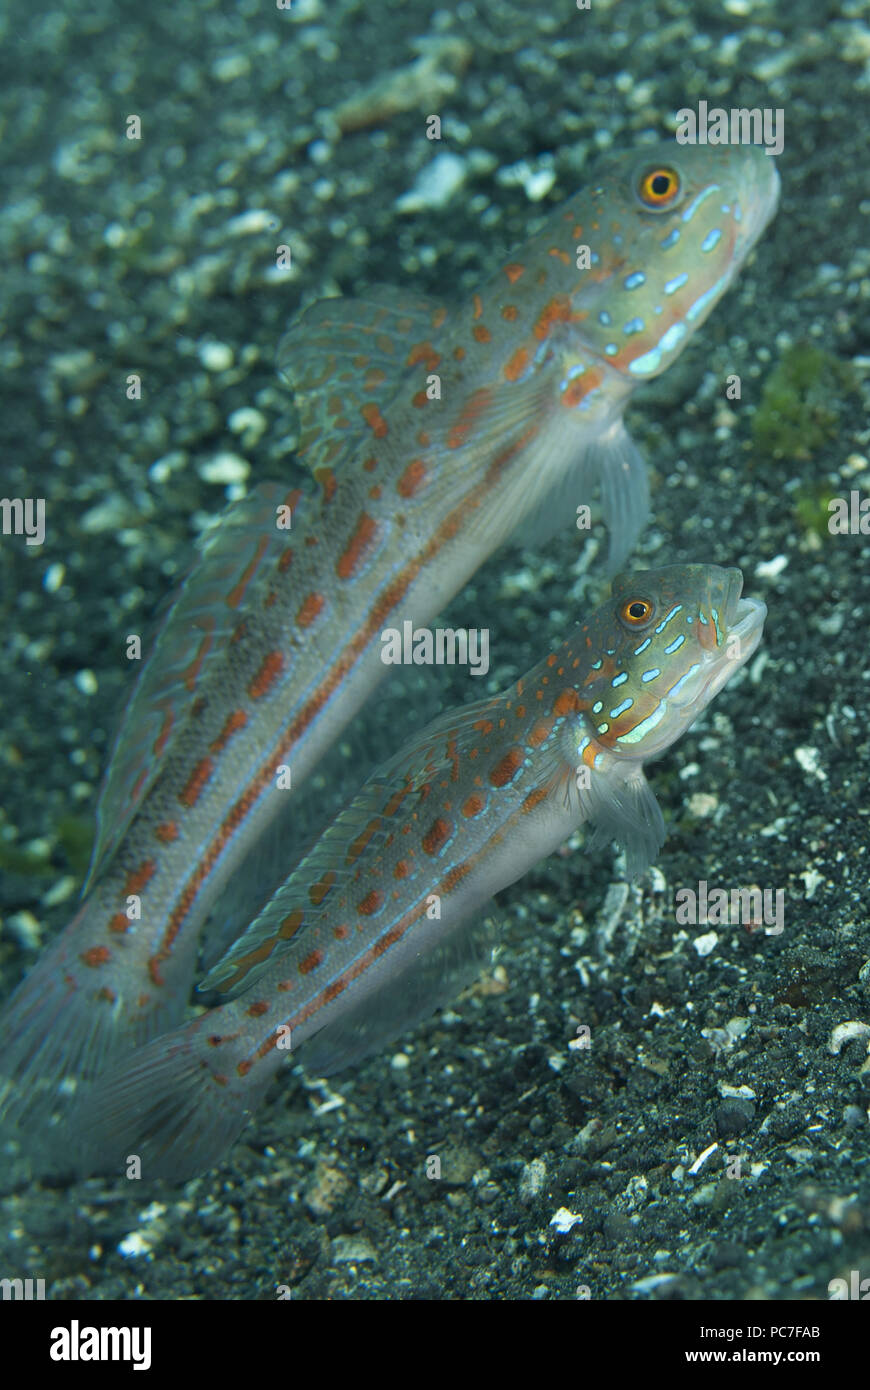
(605, 318)
(670, 240)
(711, 239)
(633, 326)
(611, 349)
(636, 278)
(676, 284)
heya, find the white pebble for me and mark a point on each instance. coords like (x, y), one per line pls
(564, 1220)
(26, 929)
(769, 569)
(250, 223)
(224, 468)
(846, 1033)
(248, 421)
(435, 185)
(215, 357)
(706, 943)
(808, 758)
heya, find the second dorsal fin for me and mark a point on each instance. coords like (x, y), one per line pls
(237, 553)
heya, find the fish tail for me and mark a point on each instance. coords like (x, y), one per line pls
(60, 1030)
(172, 1109)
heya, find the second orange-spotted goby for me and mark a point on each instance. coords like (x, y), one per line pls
(435, 431)
(385, 917)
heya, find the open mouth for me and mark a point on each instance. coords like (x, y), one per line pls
(728, 640)
(745, 623)
(739, 637)
(762, 204)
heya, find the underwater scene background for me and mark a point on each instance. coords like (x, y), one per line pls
(564, 1170)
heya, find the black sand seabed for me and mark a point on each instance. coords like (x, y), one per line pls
(113, 269)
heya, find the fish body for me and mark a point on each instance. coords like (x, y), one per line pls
(434, 433)
(381, 921)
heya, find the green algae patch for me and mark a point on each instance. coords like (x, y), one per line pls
(812, 511)
(803, 402)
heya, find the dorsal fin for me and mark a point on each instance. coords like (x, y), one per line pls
(345, 356)
(199, 617)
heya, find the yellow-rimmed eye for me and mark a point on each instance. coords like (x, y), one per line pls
(636, 611)
(658, 187)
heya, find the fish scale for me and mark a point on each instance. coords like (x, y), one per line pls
(433, 434)
(376, 924)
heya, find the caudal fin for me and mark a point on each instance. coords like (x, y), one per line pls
(170, 1106)
(58, 1032)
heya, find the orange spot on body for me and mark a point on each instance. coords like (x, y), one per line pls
(235, 720)
(120, 923)
(482, 333)
(166, 831)
(371, 903)
(374, 419)
(509, 312)
(359, 544)
(514, 271)
(137, 879)
(310, 609)
(573, 394)
(506, 768)
(473, 806)
(270, 670)
(259, 1008)
(311, 962)
(556, 310)
(96, 956)
(425, 353)
(196, 782)
(437, 835)
(412, 479)
(516, 365)
(478, 305)
(539, 732)
(534, 799)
